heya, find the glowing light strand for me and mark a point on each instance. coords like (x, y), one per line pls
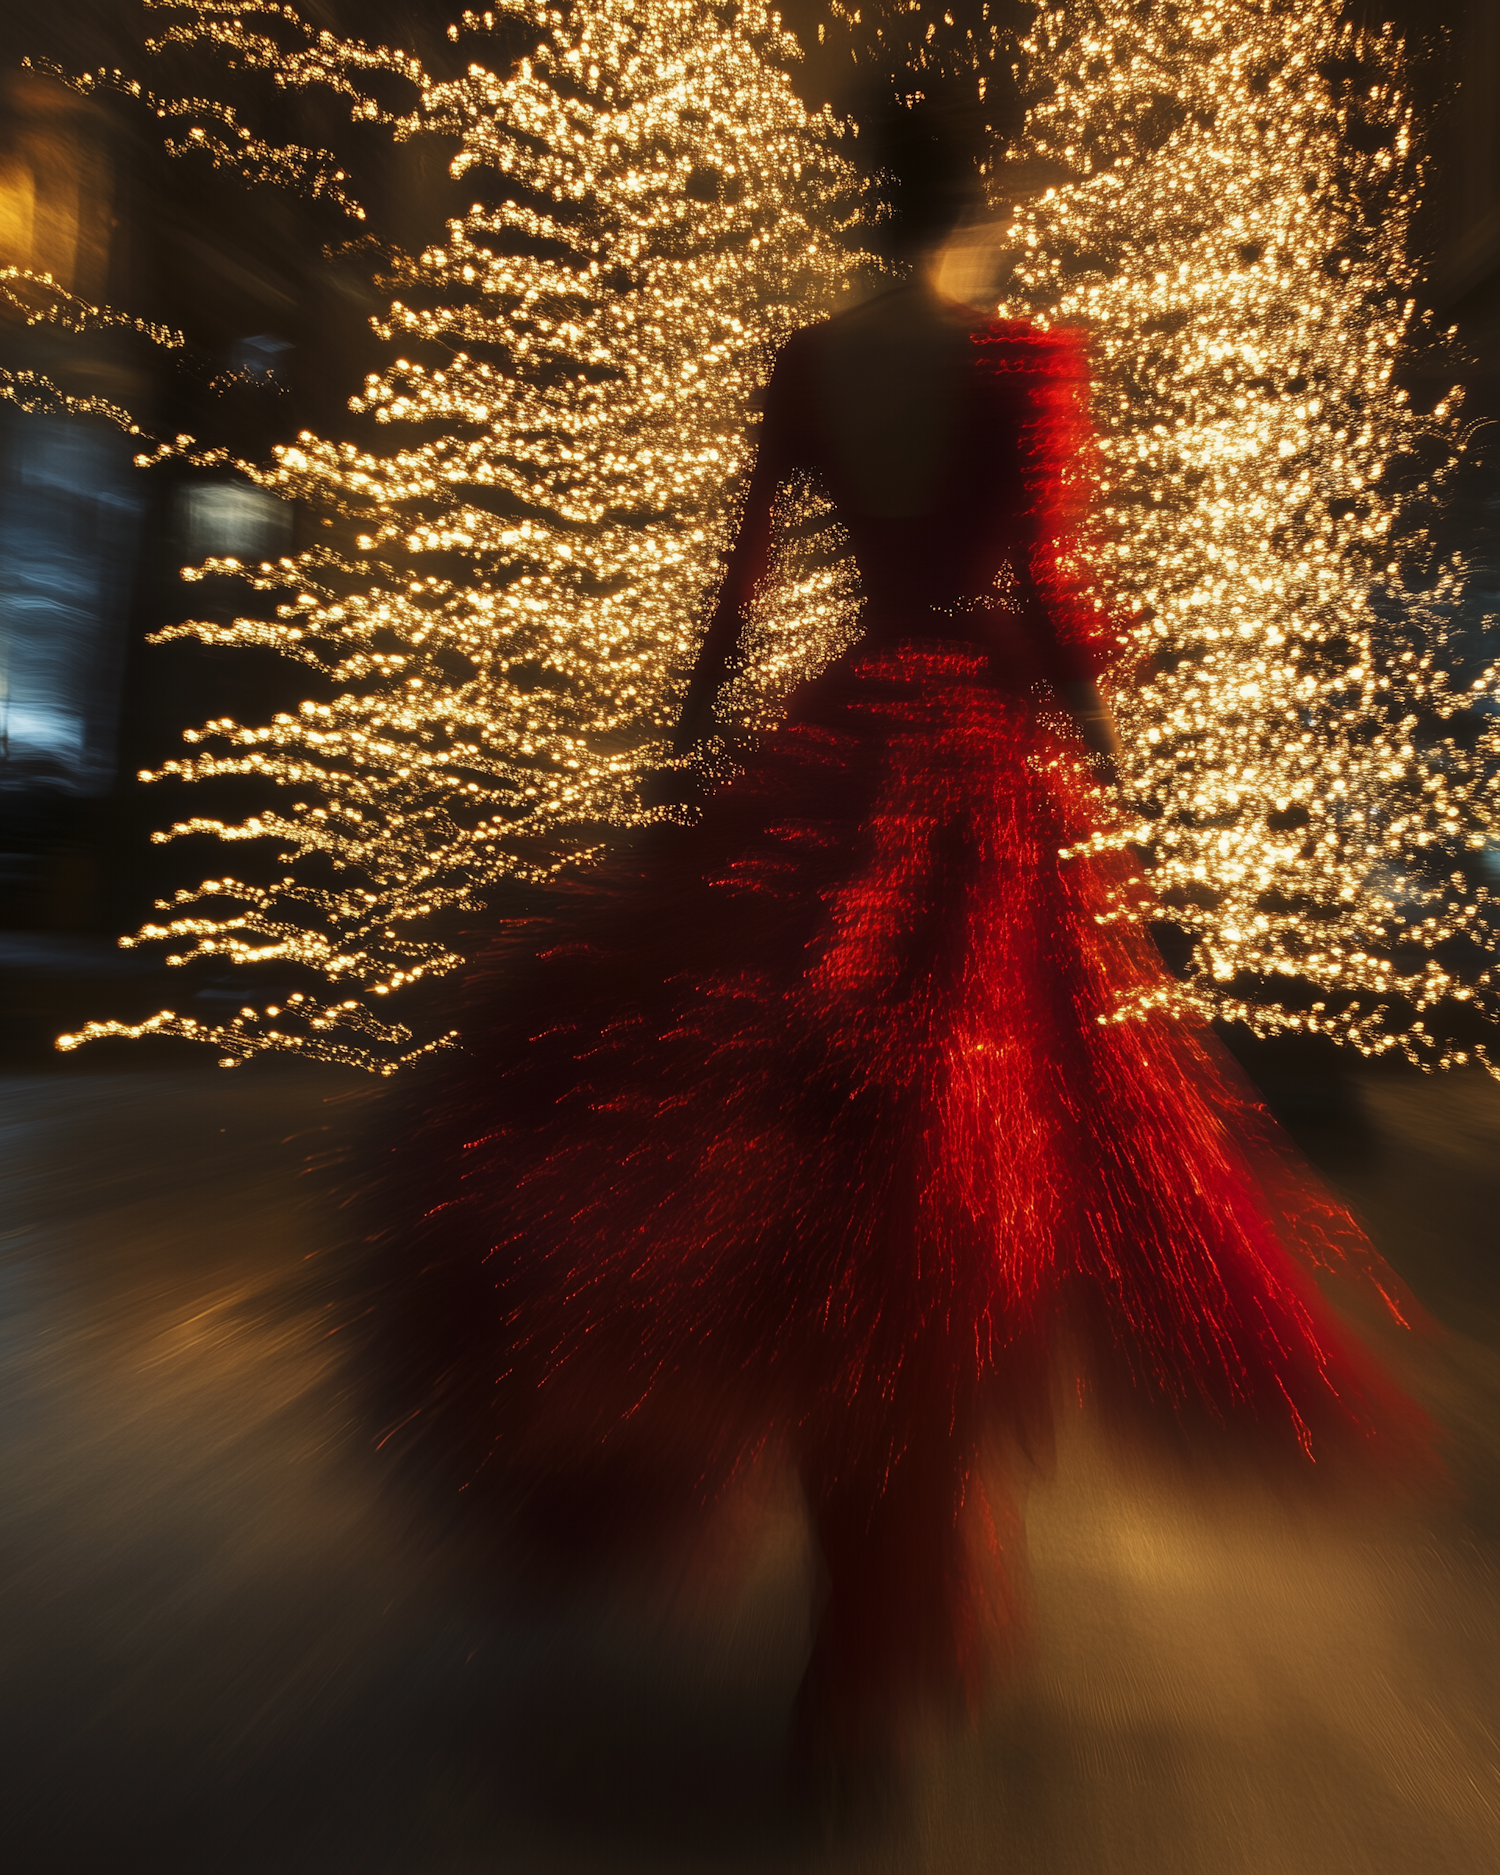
(676, 210)
(1232, 186)
(1237, 181)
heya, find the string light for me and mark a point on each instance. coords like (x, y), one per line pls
(1230, 189)
(1236, 185)
(674, 211)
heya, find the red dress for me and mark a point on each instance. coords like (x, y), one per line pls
(807, 1130)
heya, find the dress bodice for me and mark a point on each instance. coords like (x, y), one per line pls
(966, 541)
(966, 522)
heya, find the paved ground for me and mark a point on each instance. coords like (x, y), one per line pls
(226, 1649)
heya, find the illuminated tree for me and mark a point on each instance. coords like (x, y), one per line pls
(659, 211)
(1219, 192)
(1234, 186)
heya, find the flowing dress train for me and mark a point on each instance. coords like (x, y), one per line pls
(809, 1130)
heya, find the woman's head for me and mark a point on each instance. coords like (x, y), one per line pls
(926, 151)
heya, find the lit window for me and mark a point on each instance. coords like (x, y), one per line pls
(234, 521)
(261, 357)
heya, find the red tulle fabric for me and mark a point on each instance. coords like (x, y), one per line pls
(820, 1103)
(809, 1130)
(1044, 376)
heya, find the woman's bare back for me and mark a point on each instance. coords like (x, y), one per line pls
(891, 379)
(921, 449)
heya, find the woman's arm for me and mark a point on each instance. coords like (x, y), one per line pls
(1096, 723)
(1055, 430)
(1076, 690)
(749, 558)
(746, 567)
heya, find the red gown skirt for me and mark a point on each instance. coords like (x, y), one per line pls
(809, 1130)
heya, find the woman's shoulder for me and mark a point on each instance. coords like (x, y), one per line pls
(901, 312)
(906, 319)
(1021, 345)
(901, 330)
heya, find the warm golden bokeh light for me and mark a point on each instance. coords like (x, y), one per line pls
(1241, 180)
(1230, 190)
(677, 212)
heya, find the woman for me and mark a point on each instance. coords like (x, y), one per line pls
(808, 1133)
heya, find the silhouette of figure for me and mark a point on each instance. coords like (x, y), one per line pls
(809, 1131)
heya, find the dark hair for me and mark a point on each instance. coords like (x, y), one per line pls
(925, 144)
